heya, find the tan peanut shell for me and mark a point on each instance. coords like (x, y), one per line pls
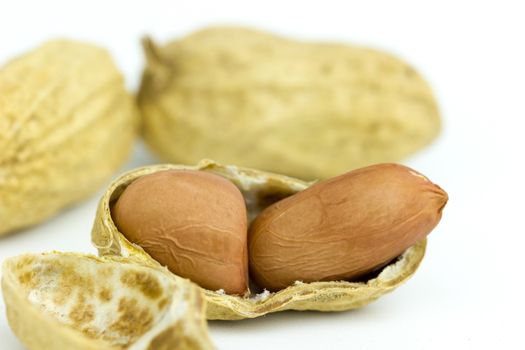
(66, 124)
(75, 301)
(309, 110)
(260, 189)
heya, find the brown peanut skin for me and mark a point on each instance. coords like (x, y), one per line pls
(190, 221)
(343, 228)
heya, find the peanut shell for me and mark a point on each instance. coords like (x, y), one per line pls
(75, 301)
(67, 123)
(260, 189)
(309, 110)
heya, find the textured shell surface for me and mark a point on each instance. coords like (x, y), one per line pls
(66, 124)
(309, 110)
(73, 301)
(260, 189)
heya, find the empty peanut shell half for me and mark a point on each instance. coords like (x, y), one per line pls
(74, 301)
(260, 189)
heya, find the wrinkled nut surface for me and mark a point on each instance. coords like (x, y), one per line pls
(309, 110)
(193, 222)
(343, 228)
(260, 189)
(66, 124)
(75, 301)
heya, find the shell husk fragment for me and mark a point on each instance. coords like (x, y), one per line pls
(75, 301)
(67, 123)
(260, 189)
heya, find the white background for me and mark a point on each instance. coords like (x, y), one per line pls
(468, 293)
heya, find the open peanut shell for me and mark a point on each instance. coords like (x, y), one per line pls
(260, 189)
(74, 301)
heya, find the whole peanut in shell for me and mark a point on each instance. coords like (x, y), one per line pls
(66, 124)
(192, 222)
(303, 109)
(343, 228)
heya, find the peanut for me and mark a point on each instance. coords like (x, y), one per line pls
(260, 190)
(67, 123)
(343, 228)
(308, 110)
(192, 222)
